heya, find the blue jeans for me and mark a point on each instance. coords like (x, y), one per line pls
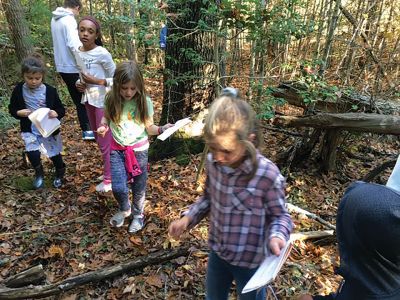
(220, 275)
(119, 182)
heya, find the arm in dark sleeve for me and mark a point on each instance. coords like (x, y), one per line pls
(15, 105)
(57, 104)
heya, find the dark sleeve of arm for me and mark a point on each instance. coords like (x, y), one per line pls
(13, 107)
(58, 106)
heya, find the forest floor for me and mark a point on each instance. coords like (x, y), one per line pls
(68, 231)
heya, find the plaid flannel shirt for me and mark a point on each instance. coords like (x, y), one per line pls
(244, 215)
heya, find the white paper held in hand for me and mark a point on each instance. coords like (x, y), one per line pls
(45, 125)
(268, 270)
(178, 125)
(80, 63)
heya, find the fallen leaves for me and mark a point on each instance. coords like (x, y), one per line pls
(56, 251)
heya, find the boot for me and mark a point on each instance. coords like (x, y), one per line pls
(38, 182)
(58, 181)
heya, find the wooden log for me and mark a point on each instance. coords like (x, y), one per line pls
(291, 92)
(296, 209)
(302, 236)
(33, 275)
(359, 122)
(377, 170)
(42, 291)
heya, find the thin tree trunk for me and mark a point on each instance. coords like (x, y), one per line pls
(329, 39)
(110, 13)
(18, 26)
(367, 45)
(330, 141)
(322, 14)
(130, 30)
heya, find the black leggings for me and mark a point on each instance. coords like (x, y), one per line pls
(70, 80)
(34, 158)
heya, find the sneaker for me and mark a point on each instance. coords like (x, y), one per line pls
(136, 224)
(57, 183)
(117, 220)
(88, 135)
(103, 187)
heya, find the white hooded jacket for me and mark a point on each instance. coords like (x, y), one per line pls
(64, 31)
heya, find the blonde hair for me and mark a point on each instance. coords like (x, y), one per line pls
(125, 72)
(232, 114)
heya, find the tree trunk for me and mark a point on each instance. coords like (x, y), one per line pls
(329, 39)
(19, 28)
(130, 30)
(367, 45)
(188, 74)
(328, 150)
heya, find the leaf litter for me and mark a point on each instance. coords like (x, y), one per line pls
(67, 230)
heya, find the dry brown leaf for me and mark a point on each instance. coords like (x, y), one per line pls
(56, 250)
(136, 240)
(154, 280)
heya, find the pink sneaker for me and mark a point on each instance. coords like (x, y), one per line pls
(104, 186)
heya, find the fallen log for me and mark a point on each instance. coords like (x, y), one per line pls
(377, 170)
(346, 102)
(307, 235)
(359, 122)
(42, 291)
(33, 275)
(293, 208)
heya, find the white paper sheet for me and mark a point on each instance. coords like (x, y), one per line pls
(168, 132)
(80, 63)
(268, 269)
(45, 125)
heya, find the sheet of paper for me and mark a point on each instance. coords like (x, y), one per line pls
(80, 63)
(168, 132)
(45, 125)
(268, 270)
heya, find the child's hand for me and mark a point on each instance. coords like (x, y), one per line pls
(92, 80)
(80, 86)
(166, 126)
(177, 227)
(102, 130)
(24, 113)
(276, 244)
(53, 114)
(161, 129)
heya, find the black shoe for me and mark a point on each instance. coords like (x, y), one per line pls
(38, 182)
(58, 181)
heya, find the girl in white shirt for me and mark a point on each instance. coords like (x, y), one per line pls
(97, 70)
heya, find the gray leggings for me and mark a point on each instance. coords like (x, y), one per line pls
(120, 186)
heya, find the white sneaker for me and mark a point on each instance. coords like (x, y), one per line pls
(136, 225)
(103, 187)
(118, 219)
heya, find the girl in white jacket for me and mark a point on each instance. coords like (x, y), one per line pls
(97, 70)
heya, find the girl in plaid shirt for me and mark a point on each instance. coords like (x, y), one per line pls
(244, 196)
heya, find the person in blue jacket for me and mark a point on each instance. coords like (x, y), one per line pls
(368, 234)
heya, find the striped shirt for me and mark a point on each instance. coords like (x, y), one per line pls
(244, 215)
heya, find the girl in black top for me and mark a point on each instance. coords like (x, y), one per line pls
(28, 96)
